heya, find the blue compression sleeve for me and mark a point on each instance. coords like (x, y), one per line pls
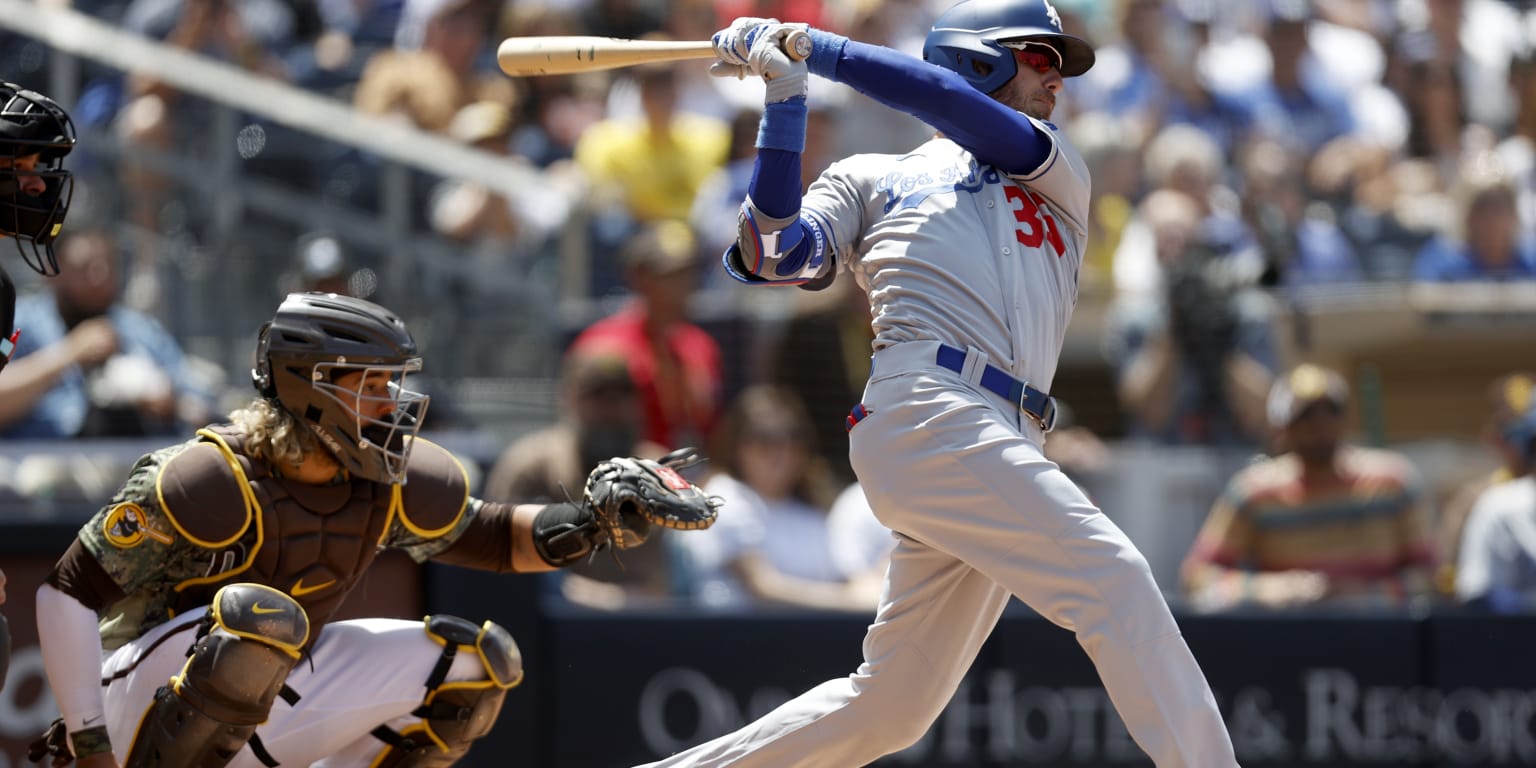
(993, 132)
(775, 184)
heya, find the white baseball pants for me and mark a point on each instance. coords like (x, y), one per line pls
(364, 673)
(983, 515)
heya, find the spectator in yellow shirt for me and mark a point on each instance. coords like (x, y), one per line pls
(654, 164)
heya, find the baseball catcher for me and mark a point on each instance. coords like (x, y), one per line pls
(174, 626)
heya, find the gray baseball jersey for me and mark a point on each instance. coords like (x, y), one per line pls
(960, 253)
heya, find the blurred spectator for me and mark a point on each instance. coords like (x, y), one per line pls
(674, 363)
(697, 91)
(821, 356)
(652, 165)
(1185, 159)
(156, 120)
(1437, 118)
(1518, 150)
(1194, 362)
(1298, 104)
(629, 19)
(88, 366)
(599, 419)
(1496, 569)
(1148, 77)
(254, 34)
(861, 545)
(1477, 37)
(1506, 432)
(1076, 449)
(554, 110)
(771, 543)
(1485, 241)
(1322, 522)
(1108, 147)
(435, 67)
(1377, 201)
(467, 212)
(1300, 241)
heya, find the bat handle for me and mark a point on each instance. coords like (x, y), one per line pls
(798, 45)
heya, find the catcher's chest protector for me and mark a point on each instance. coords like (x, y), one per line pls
(313, 542)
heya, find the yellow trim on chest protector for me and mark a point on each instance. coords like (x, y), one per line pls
(397, 492)
(252, 513)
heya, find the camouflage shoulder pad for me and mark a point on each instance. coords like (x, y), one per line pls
(435, 492)
(202, 490)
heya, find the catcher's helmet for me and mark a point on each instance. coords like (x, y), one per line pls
(32, 213)
(968, 39)
(311, 342)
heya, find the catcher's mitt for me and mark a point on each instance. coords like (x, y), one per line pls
(628, 496)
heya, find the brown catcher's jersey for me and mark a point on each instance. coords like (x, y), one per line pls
(196, 516)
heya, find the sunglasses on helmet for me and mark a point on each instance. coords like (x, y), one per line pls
(1040, 57)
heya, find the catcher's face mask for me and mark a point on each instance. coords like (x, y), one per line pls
(367, 413)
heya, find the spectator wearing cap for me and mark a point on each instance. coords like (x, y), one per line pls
(1496, 566)
(675, 365)
(1322, 523)
(1510, 398)
(599, 419)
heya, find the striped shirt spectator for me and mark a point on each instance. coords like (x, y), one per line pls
(1323, 523)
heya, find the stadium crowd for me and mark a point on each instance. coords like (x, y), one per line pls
(1245, 156)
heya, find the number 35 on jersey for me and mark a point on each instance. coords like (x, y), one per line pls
(1036, 226)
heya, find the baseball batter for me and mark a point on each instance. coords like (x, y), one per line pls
(187, 625)
(969, 247)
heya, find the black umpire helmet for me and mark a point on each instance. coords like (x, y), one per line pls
(969, 38)
(34, 194)
(315, 339)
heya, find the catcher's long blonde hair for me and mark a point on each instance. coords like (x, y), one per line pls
(273, 434)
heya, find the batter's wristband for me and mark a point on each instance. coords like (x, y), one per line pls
(783, 126)
(90, 741)
(826, 49)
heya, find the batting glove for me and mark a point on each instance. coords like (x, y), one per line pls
(734, 44)
(785, 77)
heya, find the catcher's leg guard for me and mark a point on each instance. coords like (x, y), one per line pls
(208, 712)
(454, 714)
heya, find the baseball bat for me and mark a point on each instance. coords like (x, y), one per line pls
(569, 54)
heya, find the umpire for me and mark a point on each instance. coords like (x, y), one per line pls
(35, 135)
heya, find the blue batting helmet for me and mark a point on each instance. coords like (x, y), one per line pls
(968, 39)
